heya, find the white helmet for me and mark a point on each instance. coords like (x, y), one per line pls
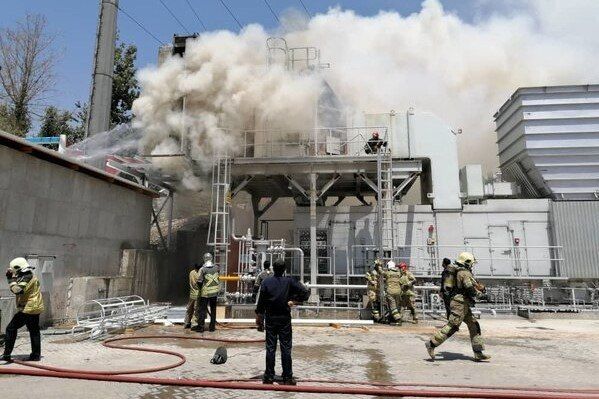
(207, 258)
(19, 265)
(391, 265)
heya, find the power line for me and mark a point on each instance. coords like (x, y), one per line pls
(140, 25)
(174, 16)
(274, 14)
(231, 13)
(196, 14)
(305, 8)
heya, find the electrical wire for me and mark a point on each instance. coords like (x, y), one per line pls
(175, 17)
(197, 16)
(274, 14)
(305, 9)
(231, 13)
(140, 25)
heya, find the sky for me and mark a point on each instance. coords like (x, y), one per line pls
(74, 22)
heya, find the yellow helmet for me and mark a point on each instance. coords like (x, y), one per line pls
(466, 259)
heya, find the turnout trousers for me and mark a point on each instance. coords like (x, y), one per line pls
(278, 328)
(32, 321)
(460, 312)
(190, 312)
(201, 308)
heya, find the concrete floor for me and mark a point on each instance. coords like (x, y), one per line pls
(547, 353)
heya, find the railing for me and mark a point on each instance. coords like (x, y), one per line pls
(330, 141)
(425, 260)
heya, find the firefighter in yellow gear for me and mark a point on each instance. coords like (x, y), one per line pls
(30, 304)
(372, 289)
(392, 278)
(208, 286)
(464, 293)
(193, 296)
(407, 281)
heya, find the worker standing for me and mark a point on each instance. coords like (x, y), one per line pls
(393, 290)
(372, 289)
(273, 311)
(208, 288)
(466, 290)
(193, 295)
(374, 144)
(447, 280)
(407, 281)
(25, 285)
(265, 273)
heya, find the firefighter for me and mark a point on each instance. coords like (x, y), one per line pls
(266, 272)
(407, 281)
(374, 144)
(393, 290)
(208, 287)
(465, 291)
(193, 295)
(25, 285)
(372, 289)
(447, 278)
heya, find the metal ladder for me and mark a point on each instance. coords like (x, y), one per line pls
(218, 229)
(385, 205)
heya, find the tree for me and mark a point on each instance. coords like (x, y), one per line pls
(8, 122)
(27, 62)
(55, 122)
(125, 88)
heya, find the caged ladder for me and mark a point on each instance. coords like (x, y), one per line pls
(385, 225)
(218, 229)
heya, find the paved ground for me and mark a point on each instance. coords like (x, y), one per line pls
(556, 353)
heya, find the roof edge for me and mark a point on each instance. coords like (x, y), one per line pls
(24, 146)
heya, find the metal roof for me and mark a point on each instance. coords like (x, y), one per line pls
(24, 146)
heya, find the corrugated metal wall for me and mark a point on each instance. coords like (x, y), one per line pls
(576, 229)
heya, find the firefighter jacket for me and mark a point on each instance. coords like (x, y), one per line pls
(193, 284)
(28, 293)
(208, 280)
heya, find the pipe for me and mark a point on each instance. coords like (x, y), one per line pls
(257, 386)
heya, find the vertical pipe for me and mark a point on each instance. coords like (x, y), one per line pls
(101, 89)
(313, 253)
(171, 198)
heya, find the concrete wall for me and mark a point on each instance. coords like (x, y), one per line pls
(85, 222)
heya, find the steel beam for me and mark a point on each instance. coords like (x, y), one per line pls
(313, 249)
(241, 186)
(328, 185)
(298, 186)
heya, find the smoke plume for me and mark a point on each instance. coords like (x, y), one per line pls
(432, 60)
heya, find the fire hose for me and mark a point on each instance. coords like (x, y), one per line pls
(330, 387)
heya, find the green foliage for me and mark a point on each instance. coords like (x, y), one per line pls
(56, 122)
(10, 123)
(125, 88)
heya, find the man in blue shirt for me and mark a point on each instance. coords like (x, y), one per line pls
(273, 311)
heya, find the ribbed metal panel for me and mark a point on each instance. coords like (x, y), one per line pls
(548, 141)
(576, 228)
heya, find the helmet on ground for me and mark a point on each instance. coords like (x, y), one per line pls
(375, 135)
(391, 265)
(403, 265)
(19, 265)
(466, 259)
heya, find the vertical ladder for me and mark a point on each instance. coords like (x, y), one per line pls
(218, 229)
(385, 205)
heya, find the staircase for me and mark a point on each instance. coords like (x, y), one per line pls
(218, 229)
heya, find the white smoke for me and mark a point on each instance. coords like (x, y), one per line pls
(433, 60)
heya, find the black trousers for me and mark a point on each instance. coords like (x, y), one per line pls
(32, 321)
(447, 301)
(278, 327)
(201, 308)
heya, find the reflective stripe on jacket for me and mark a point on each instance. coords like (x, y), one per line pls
(209, 281)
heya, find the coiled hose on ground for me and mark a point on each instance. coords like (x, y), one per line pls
(328, 387)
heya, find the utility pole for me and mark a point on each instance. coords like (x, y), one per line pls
(98, 118)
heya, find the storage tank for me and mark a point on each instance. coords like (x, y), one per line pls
(548, 139)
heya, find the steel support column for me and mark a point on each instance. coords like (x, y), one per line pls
(313, 254)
